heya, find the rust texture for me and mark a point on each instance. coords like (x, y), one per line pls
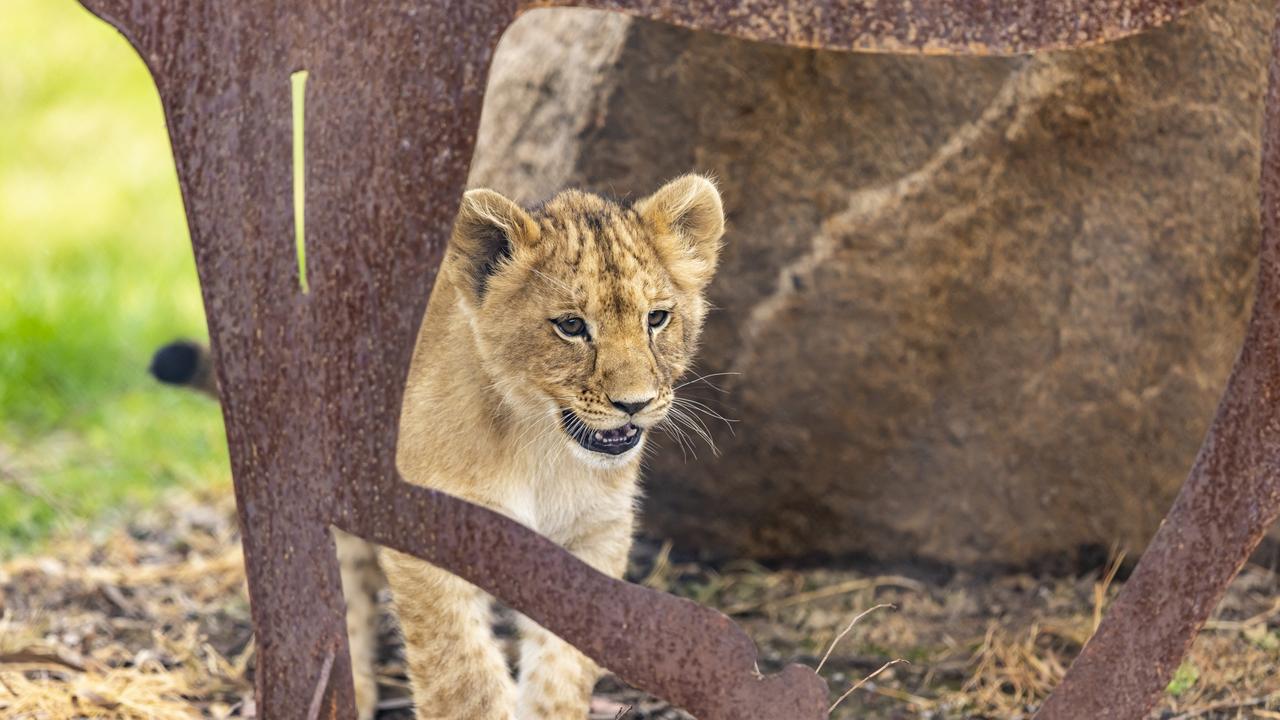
(954, 27)
(312, 382)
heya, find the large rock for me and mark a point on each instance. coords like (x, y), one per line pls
(980, 310)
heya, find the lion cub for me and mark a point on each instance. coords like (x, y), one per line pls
(548, 353)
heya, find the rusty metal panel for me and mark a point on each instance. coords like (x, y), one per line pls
(312, 382)
(941, 27)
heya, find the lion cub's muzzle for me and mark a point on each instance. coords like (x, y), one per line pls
(614, 441)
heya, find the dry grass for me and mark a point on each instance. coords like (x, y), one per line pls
(979, 647)
(151, 621)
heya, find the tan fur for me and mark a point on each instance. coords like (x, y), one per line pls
(361, 581)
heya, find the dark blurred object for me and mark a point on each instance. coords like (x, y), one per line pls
(185, 363)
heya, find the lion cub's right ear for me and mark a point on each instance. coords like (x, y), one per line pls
(486, 234)
(687, 216)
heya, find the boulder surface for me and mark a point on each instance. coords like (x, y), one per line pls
(976, 311)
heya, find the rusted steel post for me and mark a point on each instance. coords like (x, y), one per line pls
(1228, 503)
(312, 383)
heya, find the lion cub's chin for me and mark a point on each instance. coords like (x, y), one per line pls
(601, 461)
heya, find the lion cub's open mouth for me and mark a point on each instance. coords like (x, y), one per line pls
(610, 442)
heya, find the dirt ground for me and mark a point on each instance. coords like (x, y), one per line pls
(151, 620)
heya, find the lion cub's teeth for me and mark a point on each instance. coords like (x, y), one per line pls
(599, 436)
(631, 431)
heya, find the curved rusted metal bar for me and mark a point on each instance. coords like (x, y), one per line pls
(930, 27)
(1226, 506)
(312, 383)
(693, 656)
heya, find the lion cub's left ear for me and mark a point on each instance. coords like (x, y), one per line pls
(687, 219)
(487, 233)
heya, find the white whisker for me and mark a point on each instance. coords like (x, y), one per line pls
(695, 406)
(669, 427)
(694, 425)
(703, 379)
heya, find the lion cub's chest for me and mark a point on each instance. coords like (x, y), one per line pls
(562, 499)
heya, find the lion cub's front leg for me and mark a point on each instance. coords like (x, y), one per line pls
(555, 678)
(455, 667)
(361, 581)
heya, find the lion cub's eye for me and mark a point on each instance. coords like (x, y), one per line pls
(571, 326)
(658, 318)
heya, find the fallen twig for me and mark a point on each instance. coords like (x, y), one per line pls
(862, 682)
(903, 696)
(35, 657)
(844, 632)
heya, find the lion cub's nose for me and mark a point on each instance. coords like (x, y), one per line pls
(631, 408)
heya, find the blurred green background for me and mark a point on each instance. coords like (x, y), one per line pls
(95, 273)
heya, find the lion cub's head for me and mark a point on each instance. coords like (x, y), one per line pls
(586, 311)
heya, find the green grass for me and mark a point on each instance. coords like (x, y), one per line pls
(95, 272)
